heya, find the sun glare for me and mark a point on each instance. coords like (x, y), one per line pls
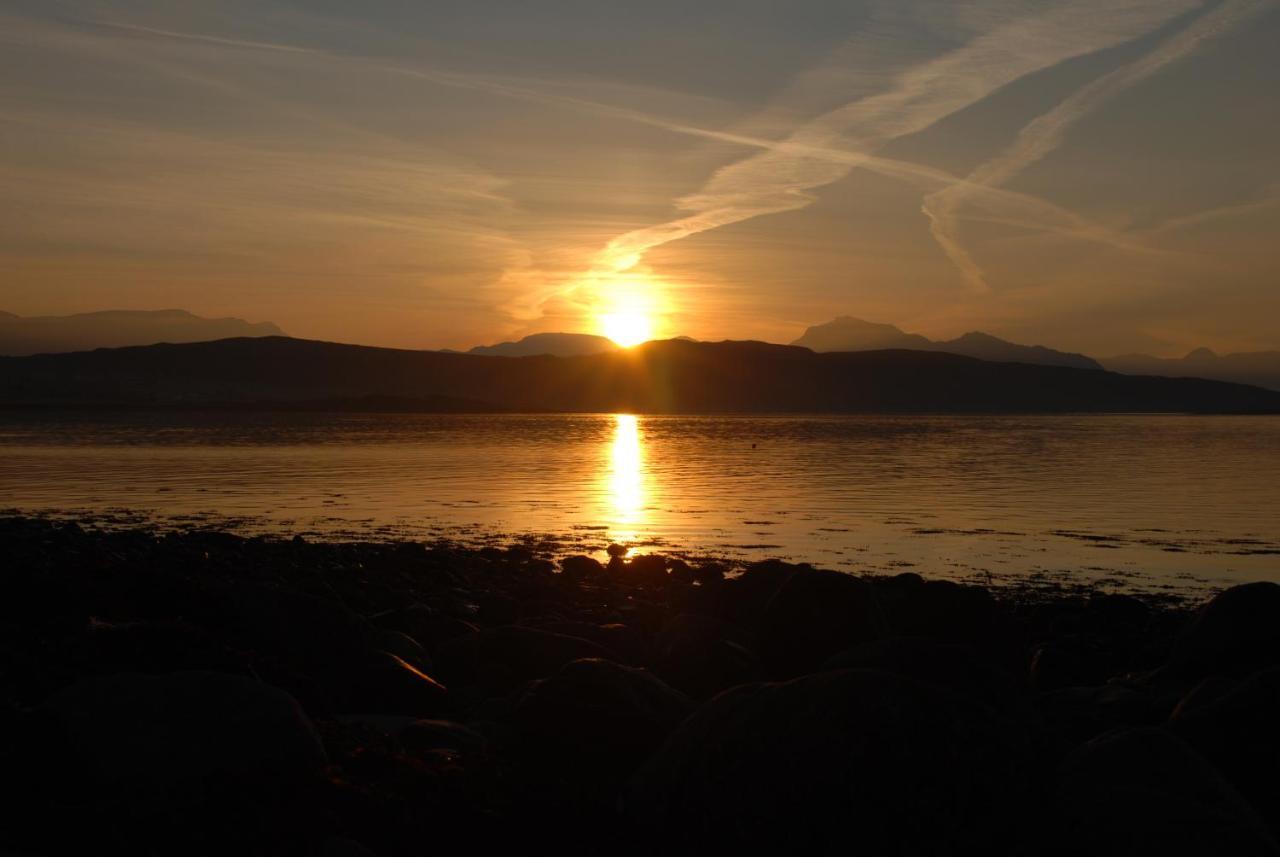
(627, 328)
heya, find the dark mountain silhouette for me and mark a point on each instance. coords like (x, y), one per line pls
(853, 334)
(114, 328)
(847, 333)
(670, 376)
(1260, 368)
(555, 344)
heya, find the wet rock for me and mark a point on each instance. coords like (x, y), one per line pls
(143, 737)
(596, 720)
(702, 655)
(384, 683)
(424, 624)
(1082, 713)
(502, 658)
(814, 615)
(1237, 633)
(942, 610)
(950, 666)
(850, 759)
(646, 569)
(1144, 791)
(1235, 728)
(747, 596)
(680, 572)
(578, 568)
(422, 737)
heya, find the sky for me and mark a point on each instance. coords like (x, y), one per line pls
(1096, 175)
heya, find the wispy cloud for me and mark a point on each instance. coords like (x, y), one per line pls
(1045, 133)
(781, 178)
(201, 38)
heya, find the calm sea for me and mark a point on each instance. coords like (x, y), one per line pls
(1148, 502)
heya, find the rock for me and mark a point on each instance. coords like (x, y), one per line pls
(950, 666)
(578, 568)
(1144, 791)
(940, 609)
(424, 624)
(502, 658)
(702, 655)
(1235, 728)
(850, 760)
(1070, 661)
(648, 569)
(153, 740)
(1082, 713)
(1237, 633)
(680, 572)
(616, 551)
(814, 615)
(747, 596)
(423, 737)
(384, 683)
(594, 720)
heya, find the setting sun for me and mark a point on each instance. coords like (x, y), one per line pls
(627, 328)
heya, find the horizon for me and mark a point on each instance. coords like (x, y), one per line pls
(1097, 177)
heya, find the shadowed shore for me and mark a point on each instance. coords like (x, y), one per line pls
(206, 693)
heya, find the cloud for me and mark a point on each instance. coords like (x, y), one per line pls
(1045, 133)
(780, 179)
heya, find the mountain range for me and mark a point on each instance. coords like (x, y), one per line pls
(115, 328)
(1260, 368)
(555, 344)
(671, 376)
(847, 333)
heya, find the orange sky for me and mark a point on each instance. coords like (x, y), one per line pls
(1097, 176)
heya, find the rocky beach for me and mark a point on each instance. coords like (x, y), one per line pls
(201, 692)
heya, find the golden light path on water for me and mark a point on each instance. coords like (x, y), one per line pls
(626, 479)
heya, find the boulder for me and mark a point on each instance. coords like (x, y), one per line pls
(1235, 728)
(502, 658)
(702, 655)
(1144, 791)
(385, 683)
(847, 761)
(950, 666)
(814, 615)
(165, 760)
(578, 568)
(595, 720)
(1237, 633)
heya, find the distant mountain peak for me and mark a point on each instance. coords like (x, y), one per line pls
(847, 333)
(554, 344)
(1201, 354)
(117, 328)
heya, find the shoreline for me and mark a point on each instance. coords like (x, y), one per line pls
(199, 691)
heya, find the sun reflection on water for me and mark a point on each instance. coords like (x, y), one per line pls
(626, 478)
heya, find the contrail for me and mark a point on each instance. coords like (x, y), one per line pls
(198, 37)
(1045, 133)
(779, 179)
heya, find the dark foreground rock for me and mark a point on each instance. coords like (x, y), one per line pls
(202, 693)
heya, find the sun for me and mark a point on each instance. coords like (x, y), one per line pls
(627, 327)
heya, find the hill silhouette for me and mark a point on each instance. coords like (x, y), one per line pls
(1260, 368)
(847, 333)
(671, 376)
(555, 344)
(115, 328)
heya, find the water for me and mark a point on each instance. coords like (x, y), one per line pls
(1139, 502)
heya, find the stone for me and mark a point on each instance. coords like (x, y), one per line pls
(814, 615)
(848, 761)
(1237, 633)
(1144, 791)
